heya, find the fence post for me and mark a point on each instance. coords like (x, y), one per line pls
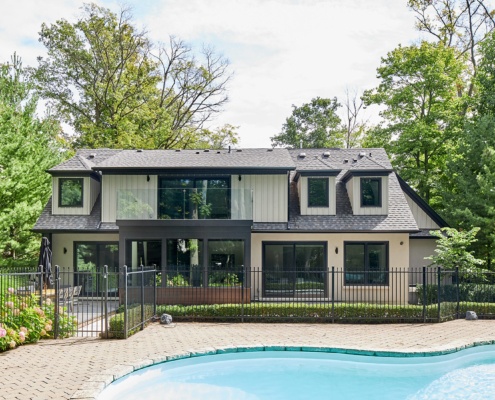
(40, 284)
(424, 294)
(57, 301)
(126, 321)
(438, 288)
(457, 291)
(141, 268)
(105, 285)
(333, 293)
(154, 289)
(242, 292)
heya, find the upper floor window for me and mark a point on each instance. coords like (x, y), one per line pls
(318, 192)
(371, 192)
(70, 192)
(194, 198)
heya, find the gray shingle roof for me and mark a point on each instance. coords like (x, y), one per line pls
(341, 159)
(49, 223)
(84, 160)
(399, 218)
(195, 159)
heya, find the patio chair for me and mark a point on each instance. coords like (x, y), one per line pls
(75, 294)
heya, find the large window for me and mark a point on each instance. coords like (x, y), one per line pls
(317, 192)
(294, 269)
(90, 258)
(366, 263)
(194, 198)
(371, 192)
(184, 262)
(226, 262)
(70, 192)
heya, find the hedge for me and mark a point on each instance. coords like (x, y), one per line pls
(299, 312)
(116, 323)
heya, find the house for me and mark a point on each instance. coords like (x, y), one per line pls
(277, 209)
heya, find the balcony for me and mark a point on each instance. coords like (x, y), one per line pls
(185, 204)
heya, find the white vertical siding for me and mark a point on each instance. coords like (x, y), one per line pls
(87, 199)
(350, 191)
(270, 198)
(423, 220)
(355, 185)
(139, 184)
(303, 198)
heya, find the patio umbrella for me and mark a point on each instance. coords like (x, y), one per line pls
(46, 261)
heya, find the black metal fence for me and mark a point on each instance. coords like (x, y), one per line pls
(84, 303)
(98, 302)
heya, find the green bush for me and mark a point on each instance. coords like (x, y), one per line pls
(470, 292)
(116, 323)
(23, 321)
(298, 312)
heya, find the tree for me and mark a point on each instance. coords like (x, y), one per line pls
(219, 138)
(469, 190)
(461, 24)
(422, 114)
(104, 79)
(453, 250)
(354, 127)
(313, 125)
(28, 147)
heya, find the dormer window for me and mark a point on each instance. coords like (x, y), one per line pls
(371, 192)
(318, 192)
(70, 192)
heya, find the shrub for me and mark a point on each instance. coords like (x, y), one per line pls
(300, 312)
(23, 321)
(116, 323)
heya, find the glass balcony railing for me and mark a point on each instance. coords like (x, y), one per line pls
(185, 204)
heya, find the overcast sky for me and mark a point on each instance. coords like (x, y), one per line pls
(282, 52)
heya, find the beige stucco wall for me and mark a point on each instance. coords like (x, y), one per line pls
(66, 240)
(396, 291)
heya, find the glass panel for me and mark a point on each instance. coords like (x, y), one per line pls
(354, 264)
(90, 259)
(147, 253)
(370, 192)
(317, 192)
(226, 262)
(310, 265)
(184, 262)
(278, 269)
(70, 192)
(377, 263)
(194, 198)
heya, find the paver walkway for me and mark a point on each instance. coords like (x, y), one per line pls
(79, 368)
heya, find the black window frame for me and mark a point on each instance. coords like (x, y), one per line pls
(80, 204)
(361, 190)
(327, 195)
(366, 267)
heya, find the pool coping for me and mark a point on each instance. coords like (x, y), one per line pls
(96, 384)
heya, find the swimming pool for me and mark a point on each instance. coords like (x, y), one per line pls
(310, 374)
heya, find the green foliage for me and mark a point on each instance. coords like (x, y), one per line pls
(422, 112)
(117, 322)
(223, 278)
(316, 124)
(22, 320)
(452, 250)
(28, 147)
(301, 312)
(105, 79)
(177, 280)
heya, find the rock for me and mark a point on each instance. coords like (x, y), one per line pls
(166, 319)
(471, 315)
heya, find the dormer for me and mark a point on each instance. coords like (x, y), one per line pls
(317, 192)
(368, 191)
(75, 186)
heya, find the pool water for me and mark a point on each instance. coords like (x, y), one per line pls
(304, 375)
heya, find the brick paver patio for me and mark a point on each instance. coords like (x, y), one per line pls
(79, 368)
